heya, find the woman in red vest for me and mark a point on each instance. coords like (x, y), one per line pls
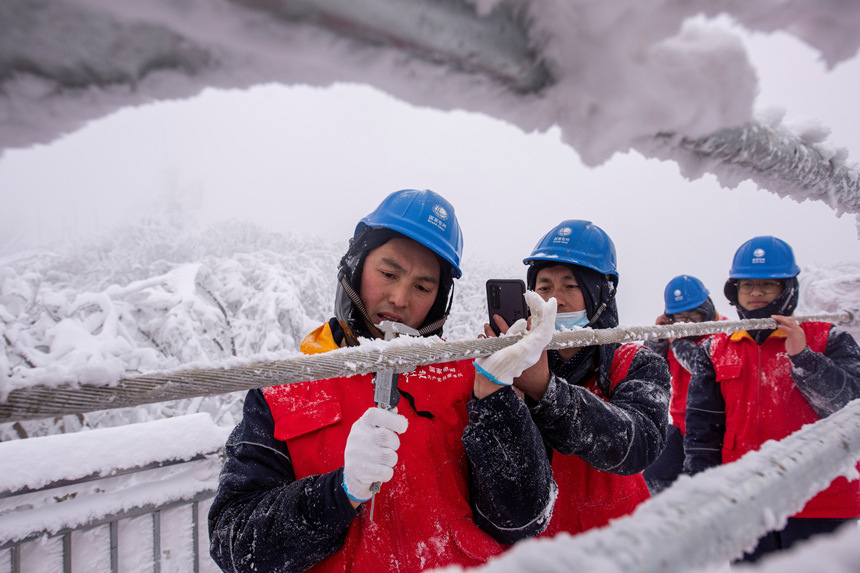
(759, 385)
(686, 300)
(602, 410)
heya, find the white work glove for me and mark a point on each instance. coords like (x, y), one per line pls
(371, 451)
(508, 363)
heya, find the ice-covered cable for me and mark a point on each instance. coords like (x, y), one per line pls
(776, 160)
(403, 355)
(711, 518)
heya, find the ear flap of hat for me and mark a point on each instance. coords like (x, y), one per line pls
(709, 312)
(730, 289)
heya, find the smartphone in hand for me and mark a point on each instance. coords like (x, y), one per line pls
(505, 298)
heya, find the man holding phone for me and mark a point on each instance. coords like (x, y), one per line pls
(506, 299)
(602, 410)
(461, 465)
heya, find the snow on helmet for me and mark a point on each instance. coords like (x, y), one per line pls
(764, 257)
(577, 242)
(425, 217)
(684, 293)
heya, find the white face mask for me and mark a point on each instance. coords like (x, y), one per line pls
(567, 320)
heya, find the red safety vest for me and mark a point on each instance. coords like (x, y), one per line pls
(422, 519)
(589, 498)
(763, 403)
(681, 385)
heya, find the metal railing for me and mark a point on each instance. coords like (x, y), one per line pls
(112, 521)
(750, 495)
(99, 499)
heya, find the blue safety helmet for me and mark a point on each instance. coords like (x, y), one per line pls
(423, 216)
(684, 293)
(577, 242)
(764, 257)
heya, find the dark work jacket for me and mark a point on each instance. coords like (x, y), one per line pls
(724, 421)
(680, 353)
(263, 519)
(613, 422)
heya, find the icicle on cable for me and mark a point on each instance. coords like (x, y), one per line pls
(401, 354)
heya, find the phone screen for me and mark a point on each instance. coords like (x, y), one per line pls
(505, 298)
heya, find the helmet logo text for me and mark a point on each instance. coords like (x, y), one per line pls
(438, 217)
(562, 236)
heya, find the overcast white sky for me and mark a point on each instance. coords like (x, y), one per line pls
(305, 160)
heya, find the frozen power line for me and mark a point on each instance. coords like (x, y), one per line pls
(401, 355)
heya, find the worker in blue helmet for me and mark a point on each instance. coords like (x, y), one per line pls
(765, 384)
(458, 468)
(686, 300)
(602, 410)
(429, 221)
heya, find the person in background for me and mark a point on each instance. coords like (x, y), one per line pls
(602, 410)
(752, 386)
(686, 300)
(461, 464)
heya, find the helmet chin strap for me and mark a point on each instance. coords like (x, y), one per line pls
(787, 300)
(602, 307)
(356, 300)
(423, 331)
(437, 324)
